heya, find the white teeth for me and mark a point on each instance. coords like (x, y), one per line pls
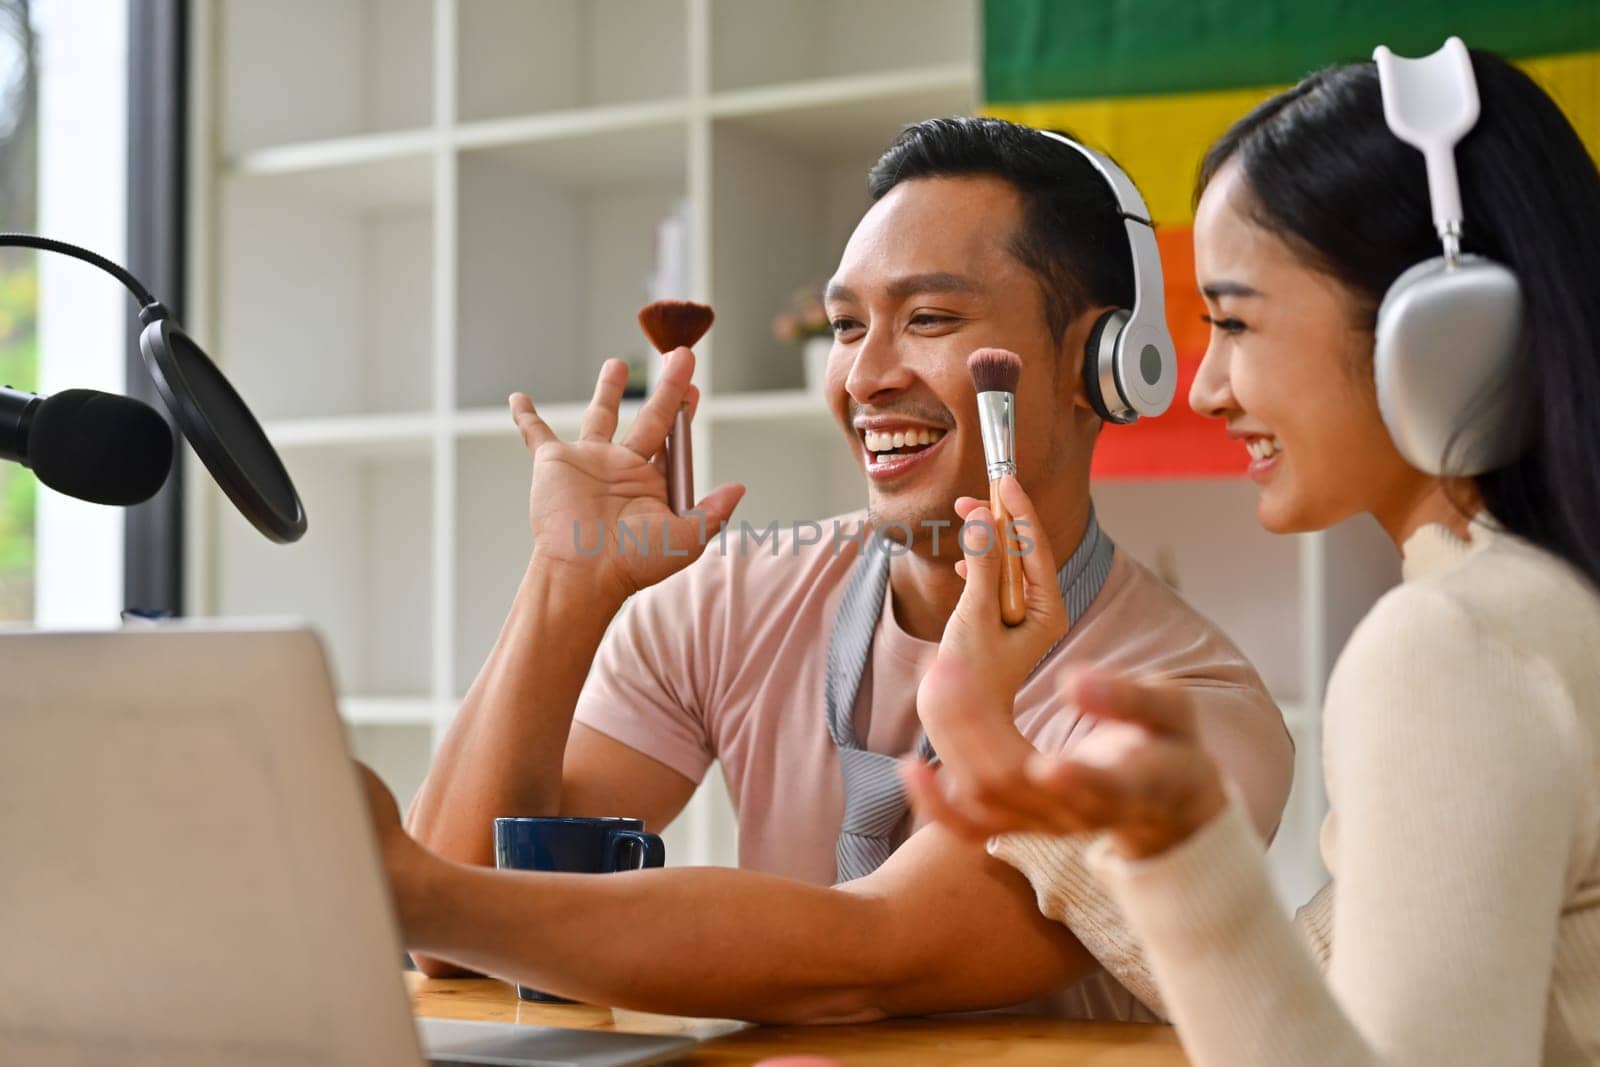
(881, 441)
(1263, 447)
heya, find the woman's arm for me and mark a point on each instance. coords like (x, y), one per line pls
(1458, 767)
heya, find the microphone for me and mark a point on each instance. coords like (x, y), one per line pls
(112, 450)
(99, 447)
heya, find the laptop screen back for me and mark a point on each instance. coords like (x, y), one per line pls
(187, 874)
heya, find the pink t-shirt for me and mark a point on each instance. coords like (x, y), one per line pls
(725, 661)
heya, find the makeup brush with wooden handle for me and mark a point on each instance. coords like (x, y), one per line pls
(674, 324)
(995, 373)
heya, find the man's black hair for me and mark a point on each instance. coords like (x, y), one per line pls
(1072, 237)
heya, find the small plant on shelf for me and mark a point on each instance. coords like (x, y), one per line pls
(805, 321)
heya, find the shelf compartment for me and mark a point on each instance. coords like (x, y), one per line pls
(764, 42)
(520, 57)
(361, 574)
(557, 249)
(789, 183)
(307, 70)
(850, 117)
(399, 752)
(780, 219)
(564, 419)
(493, 544)
(325, 293)
(401, 433)
(796, 405)
(387, 711)
(350, 169)
(1221, 561)
(616, 158)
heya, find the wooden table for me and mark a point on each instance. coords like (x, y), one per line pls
(993, 1039)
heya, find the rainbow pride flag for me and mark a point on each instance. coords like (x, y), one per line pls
(1154, 82)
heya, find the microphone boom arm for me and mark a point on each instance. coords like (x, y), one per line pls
(46, 244)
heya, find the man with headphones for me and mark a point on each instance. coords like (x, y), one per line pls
(619, 678)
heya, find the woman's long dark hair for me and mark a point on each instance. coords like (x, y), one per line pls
(1329, 178)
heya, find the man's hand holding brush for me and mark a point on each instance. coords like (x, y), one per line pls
(586, 492)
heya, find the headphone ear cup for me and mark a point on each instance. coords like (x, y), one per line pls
(1444, 362)
(1100, 367)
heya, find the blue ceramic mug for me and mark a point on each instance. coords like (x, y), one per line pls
(575, 846)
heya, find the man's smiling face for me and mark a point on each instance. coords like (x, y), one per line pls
(928, 277)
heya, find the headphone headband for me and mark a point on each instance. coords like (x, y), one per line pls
(1431, 103)
(1446, 345)
(1130, 202)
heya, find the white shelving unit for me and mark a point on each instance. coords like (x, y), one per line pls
(405, 209)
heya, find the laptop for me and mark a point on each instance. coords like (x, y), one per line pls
(187, 871)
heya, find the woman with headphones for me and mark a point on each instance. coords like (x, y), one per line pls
(1456, 398)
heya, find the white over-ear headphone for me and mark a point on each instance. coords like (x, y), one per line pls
(1448, 327)
(1130, 366)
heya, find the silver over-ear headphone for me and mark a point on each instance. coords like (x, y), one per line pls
(1448, 327)
(1130, 366)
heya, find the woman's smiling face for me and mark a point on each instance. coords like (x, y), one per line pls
(1289, 368)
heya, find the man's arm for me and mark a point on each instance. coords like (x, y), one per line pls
(513, 749)
(508, 751)
(940, 927)
(504, 752)
(498, 758)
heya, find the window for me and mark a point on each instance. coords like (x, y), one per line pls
(63, 122)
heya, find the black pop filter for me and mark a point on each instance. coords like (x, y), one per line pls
(222, 430)
(212, 416)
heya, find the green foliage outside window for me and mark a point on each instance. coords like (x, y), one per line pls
(19, 291)
(19, 343)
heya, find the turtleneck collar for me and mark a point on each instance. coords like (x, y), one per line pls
(1434, 547)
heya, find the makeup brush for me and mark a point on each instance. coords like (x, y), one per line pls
(674, 324)
(995, 373)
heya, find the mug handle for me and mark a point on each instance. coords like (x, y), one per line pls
(652, 852)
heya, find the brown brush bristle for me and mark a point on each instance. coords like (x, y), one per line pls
(994, 370)
(675, 323)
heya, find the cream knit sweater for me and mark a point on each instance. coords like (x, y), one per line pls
(1462, 726)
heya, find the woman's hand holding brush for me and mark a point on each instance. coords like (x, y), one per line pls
(967, 697)
(1140, 772)
(586, 493)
